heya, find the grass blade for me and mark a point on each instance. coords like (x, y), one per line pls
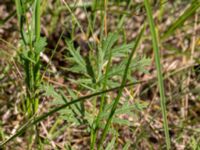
(37, 19)
(21, 18)
(179, 22)
(159, 72)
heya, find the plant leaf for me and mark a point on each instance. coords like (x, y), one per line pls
(40, 44)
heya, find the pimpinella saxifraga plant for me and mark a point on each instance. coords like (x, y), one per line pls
(32, 44)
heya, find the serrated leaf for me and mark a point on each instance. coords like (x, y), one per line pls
(121, 121)
(77, 108)
(86, 83)
(104, 49)
(90, 70)
(126, 108)
(25, 56)
(89, 117)
(73, 113)
(108, 43)
(136, 64)
(76, 69)
(121, 51)
(50, 91)
(76, 55)
(40, 44)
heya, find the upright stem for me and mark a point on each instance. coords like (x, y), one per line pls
(159, 72)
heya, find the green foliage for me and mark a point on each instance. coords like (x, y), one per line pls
(124, 79)
(75, 115)
(31, 47)
(35, 120)
(125, 108)
(92, 66)
(102, 68)
(39, 45)
(95, 74)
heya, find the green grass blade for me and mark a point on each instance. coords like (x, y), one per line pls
(3, 21)
(159, 72)
(21, 18)
(179, 22)
(114, 107)
(18, 9)
(37, 19)
(74, 17)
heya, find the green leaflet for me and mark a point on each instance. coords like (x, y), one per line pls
(39, 45)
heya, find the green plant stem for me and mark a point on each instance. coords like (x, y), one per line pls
(37, 19)
(159, 72)
(30, 58)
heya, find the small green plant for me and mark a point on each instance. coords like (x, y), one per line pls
(97, 74)
(31, 47)
(100, 64)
